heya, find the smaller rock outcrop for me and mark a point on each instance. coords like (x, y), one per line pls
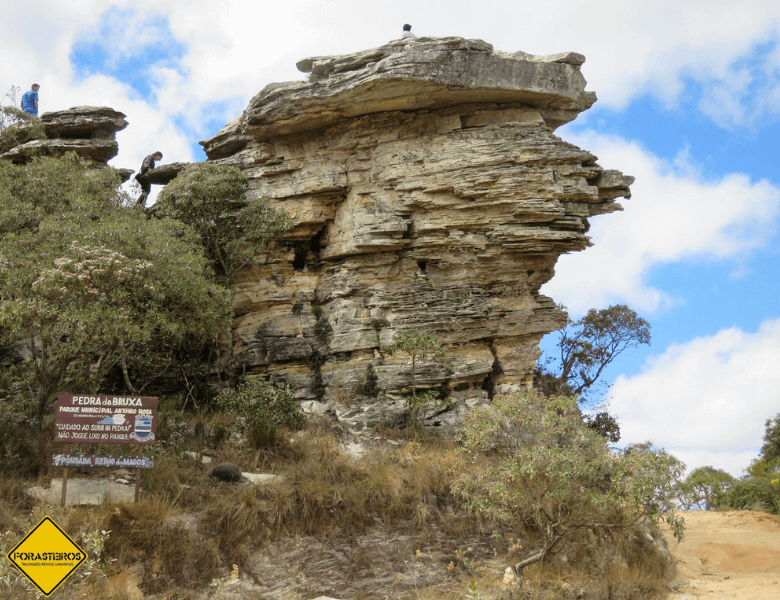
(89, 131)
(162, 174)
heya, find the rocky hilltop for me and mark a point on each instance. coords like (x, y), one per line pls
(89, 131)
(430, 195)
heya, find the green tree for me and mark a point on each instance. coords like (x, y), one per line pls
(755, 493)
(605, 425)
(551, 473)
(587, 346)
(705, 487)
(418, 347)
(90, 286)
(770, 451)
(211, 199)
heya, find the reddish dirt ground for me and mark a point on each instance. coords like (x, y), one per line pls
(724, 555)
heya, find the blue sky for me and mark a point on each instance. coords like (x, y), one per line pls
(689, 104)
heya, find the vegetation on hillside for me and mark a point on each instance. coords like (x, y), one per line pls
(557, 476)
(98, 296)
(16, 126)
(233, 232)
(759, 489)
(427, 519)
(90, 288)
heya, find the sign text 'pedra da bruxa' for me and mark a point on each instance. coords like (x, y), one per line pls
(106, 419)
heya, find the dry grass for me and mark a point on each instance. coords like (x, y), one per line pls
(172, 555)
(188, 529)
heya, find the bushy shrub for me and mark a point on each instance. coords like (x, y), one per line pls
(210, 198)
(756, 493)
(22, 128)
(92, 288)
(553, 475)
(264, 407)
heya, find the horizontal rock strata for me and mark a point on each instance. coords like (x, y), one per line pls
(89, 131)
(430, 195)
(163, 174)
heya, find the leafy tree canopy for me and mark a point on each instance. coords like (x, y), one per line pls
(770, 451)
(207, 197)
(705, 487)
(89, 285)
(605, 425)
(588, 345)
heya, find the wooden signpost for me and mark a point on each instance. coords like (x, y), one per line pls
(105, 420)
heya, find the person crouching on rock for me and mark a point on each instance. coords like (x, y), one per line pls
(147, 166)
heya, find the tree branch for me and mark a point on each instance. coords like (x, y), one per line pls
(536, 557)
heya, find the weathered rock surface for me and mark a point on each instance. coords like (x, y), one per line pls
(226, 472)
(163, 174)
(95, 150)
(426, 73)
(84, 122)
(89, 131)
(429, 195)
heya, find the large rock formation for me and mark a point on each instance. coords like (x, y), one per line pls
(430, 195)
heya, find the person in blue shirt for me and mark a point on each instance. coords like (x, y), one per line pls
(30, 100)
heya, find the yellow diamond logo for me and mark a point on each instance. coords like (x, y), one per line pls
(47, 556)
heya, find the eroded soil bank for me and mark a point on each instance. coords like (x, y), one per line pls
(734, 554)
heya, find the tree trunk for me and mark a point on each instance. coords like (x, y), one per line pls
(534, 558)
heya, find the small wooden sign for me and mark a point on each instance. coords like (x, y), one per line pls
(112, 462)
(106, 419)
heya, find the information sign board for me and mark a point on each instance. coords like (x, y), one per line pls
(106, 419)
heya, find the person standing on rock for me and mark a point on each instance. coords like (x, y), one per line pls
(408, 32)
(30, 100)
(147, 166)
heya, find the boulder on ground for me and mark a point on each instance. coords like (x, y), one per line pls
(226, 472)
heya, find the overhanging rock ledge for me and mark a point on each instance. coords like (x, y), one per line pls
(430, 195)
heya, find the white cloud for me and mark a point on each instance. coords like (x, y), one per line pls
(674, 214)
(705, 400)
(234, 49)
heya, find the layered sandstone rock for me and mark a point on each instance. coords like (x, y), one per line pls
(89, 131)
(163, 174)
(430, 195)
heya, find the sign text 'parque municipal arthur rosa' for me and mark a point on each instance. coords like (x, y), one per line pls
(106, 419)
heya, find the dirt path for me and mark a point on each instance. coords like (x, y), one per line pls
(728, 555)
